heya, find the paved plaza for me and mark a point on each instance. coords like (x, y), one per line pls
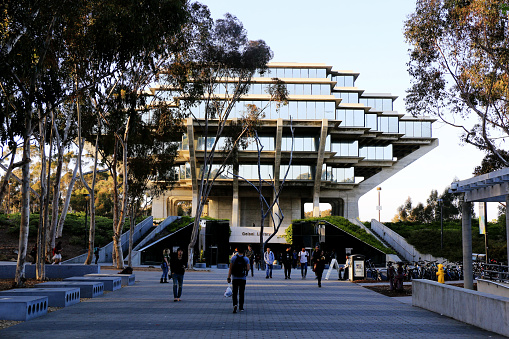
(275, 308)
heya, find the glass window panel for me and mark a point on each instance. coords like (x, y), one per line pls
(354, 97)
(387, 104)
(348, 81)
(363, 101)
(321, 73)
(371, 153)
(358, 118)
(384, 124)
(388, 152)
(299, 144)
(330, 108)
(293, 108)
(299, 89)
(301, 114)
(378, 104)
(307, 89)
(283, 111)
(354, 149)
(402, 128)
(426, 129)
(363, 152)
(311, 110)
(304, 73)
(325, 89)
(312, 73)
(340, 115)
(393, 124)
(409, 128)
(327, 143)
(309, 144)
(417, 129)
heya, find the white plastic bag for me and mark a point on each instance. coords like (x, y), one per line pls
(228, 292)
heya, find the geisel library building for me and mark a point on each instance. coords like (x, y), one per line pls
(347, 141)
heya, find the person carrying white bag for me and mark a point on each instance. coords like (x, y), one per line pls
(239, 266)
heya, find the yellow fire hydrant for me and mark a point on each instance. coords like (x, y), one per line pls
(441, 274)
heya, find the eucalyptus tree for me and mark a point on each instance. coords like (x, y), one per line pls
(32, 54)
(459, 63)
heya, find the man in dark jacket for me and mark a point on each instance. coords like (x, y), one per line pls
(287, 262)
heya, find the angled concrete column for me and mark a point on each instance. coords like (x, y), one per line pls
(235, 200)
(507, 226)
(192, 160)
(277, 165)
(319, 165)
(466, 227)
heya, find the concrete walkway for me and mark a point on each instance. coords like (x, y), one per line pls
(275, 308)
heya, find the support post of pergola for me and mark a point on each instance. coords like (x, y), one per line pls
(507, 225)
(466, 230)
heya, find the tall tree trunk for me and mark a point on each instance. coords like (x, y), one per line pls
(116, 206)
(47, 224)
(65, 208)
(58, 177)
(7, 176)
(131, 231)
(25, 208)
(42, 250)
(91, 191)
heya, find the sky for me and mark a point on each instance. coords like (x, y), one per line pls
(365, 36)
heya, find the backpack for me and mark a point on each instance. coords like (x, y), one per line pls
(239, 267)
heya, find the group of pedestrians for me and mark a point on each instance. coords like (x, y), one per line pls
(240, 265)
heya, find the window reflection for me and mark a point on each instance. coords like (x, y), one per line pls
(296, 172)
(376, 152)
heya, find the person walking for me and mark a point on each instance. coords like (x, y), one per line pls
(303, 259)
(96, 253)
(239, 268)
(268, 257)
(287, 262)
(314, 256)
(178, 266)
(165, 265)
(250, 255)
(345, 269)
(319, 266)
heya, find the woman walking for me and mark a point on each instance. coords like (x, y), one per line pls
(165, 265)
(178, 266)
(319, 267)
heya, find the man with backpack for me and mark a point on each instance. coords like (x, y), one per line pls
(237, 273)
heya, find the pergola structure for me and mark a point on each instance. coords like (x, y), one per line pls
(491, 187)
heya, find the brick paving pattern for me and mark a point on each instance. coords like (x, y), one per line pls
(275, 308)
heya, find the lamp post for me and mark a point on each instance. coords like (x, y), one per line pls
(379, 207)
(86, 216)
(441, 204)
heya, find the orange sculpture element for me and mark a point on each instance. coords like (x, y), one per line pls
(441, 274)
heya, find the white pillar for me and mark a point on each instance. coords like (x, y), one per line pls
(466, 226)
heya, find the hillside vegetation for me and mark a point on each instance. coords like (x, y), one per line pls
(426, 238)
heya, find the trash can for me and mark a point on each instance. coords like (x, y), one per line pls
(356, 271)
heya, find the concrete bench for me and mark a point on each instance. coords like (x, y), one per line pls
(110, 283)
(127, 279)
(22, 308)
(88, 289)
(57, 297)
(483, 310)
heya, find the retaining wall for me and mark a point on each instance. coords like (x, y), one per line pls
(51, 271)
(493, 287)
(480, 309)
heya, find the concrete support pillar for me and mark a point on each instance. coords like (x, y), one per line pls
(319, 165)
(277, 166)
(192, 160)
(507, 225)
(235, 200)
(466, 227)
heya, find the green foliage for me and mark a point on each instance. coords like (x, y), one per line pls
(426, 238)
(74, 226)
(289, 234)
(353, 230)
